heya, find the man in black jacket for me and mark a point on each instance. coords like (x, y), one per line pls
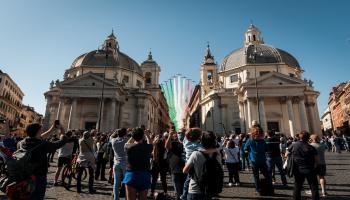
(35, 139)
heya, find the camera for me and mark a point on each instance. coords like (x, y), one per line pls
(2, 121)
(57, 123)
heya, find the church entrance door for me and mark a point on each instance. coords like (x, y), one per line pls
(273, 126)
(90, 125)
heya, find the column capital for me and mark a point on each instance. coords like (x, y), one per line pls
(301, 98)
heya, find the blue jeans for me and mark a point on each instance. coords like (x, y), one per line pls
(192, 196)
(257, 167)
(40, 188)
(178, 180)
(186, 185)
(118, 171)
(271, 162)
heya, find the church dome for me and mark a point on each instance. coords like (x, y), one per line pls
(97, 58)
(115, 58)
(258, 54)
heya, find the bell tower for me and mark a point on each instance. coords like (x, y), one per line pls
(209, 77)
(151, 71)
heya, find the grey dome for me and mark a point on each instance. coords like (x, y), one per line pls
(97, 58)
(264, 54)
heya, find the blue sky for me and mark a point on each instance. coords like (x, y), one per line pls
(39, 39)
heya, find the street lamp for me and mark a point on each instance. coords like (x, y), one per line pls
(102, 93)
(253, 57)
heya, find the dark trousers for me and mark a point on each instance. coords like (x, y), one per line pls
(244, 158)
(233, 171)
(178, 181)
(91, 178)
(299, 181)
(156, 170)
(276, 161)
(186, 185)
(40, 188)
(100, 167)
(260, 167)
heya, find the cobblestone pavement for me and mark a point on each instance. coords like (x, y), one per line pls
(338, 182)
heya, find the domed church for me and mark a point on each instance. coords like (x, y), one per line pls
(106, 89)
(256, 82)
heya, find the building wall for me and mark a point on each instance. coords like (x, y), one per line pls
(11, 98)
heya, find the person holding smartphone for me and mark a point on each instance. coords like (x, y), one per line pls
(36, 140)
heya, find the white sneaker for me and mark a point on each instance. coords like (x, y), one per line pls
(230, 184)
(308, 192)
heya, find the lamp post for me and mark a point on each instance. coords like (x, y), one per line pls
(253, 57)
(102, 93)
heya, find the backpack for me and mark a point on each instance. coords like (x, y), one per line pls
(212, 180)
(18, 168)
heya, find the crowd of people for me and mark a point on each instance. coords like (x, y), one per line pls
(137, 158)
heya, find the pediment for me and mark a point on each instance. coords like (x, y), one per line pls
(275, 79)
(87, 80)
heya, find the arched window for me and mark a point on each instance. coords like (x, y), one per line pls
(148, 77)
(248, 38)
(254, 38)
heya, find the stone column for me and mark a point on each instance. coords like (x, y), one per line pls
(47, 112)
(303, 118)
(262, 114)
(120, 115)
(72, 114)
(241, 115)
(291, 116)
(318, 130)
(249, 112)
(60, 108)
(112, 123)
(223, 109)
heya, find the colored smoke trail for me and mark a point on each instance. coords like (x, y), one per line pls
(178, 92)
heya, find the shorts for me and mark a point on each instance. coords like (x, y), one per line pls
(140, 180)
(321, 170)
(63, 161)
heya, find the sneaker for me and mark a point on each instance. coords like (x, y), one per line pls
(55, 184)
(237, 184)
(230, 184)
(308, 192)
(324, 194)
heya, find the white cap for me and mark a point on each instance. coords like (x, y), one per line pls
(254, 123)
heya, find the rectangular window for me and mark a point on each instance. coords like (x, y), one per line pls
(262, 73)
(291, 75)
(234, 78)
(139, 84)
(126, 79)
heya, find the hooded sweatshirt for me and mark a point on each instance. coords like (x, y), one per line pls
(39, 154)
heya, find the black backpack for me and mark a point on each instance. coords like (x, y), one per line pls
(212, 180)
(19, 167)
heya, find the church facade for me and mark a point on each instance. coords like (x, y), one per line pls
(106, 89)
(257, 82)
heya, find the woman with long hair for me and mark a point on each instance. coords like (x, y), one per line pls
(159, 164)
(232, 162)
(137, 178)
(256, 147)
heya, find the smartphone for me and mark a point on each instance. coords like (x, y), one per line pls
(2, 121)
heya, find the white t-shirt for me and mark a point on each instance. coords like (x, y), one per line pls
(231, 154)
